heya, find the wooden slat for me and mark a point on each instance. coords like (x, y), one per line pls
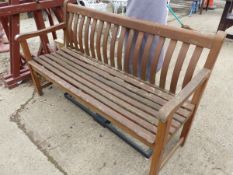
(178, 66)
(97, 74)
(155, 60)
(130, 127)
(113, 89)
(113, 45)
(146, 54)
(92, 38)
(75, 36)
(70, 32)
(166, 63)
(86, 36)
(192, 65)
(105, 43)
(80, 33)
(93, 90)
(136, 53)
(188, 36)
(149, 96)
(107, 81)
(98, 40)
(147, 90)
(120, 48)
(128, 50)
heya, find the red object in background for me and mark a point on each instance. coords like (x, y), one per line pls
(211, 4)
(9, 17)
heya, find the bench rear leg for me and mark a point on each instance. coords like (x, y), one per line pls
(188, 124)
(186, 129)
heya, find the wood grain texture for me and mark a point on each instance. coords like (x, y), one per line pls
(95, 69)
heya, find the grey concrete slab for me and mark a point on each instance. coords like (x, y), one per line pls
(18, 155)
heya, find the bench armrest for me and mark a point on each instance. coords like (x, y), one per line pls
(25, 36)
(172, 106)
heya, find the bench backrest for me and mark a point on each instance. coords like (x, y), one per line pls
(114, 39)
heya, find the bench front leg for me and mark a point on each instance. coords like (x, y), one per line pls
(160, 142)
(28, 57)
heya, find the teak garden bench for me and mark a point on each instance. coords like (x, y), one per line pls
(93, 67)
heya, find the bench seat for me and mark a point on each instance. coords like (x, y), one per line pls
(119, 97)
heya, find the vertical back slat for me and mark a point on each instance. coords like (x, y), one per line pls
(80, 33)
(166, 62)
(113, 45)
(92, 38)
(70, 32)
(136, 54)
(128, 50)
(75, 36)
(178, 66)
(155, 60)
(98, 41)
(86, 36)
(120, 48)
(192, 65)
(105, 43)
(146, 54)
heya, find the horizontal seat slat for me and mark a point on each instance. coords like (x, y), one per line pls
(127, 87)
(108, 99)
(113, 88)
(101, 95)
(136, 105)
(157, 95)
(142, 134)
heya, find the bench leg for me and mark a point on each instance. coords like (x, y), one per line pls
(186, 129)
(196, 100)
(36, 81)
(161, 138)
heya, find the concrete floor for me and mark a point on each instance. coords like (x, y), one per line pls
(49, 136)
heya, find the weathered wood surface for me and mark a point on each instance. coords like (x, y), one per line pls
(94, 67)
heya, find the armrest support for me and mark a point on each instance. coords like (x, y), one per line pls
(23, 37)
(172, 106)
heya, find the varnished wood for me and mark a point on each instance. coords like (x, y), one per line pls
(80, 33)
(95, 68)
(86, 35)
(75, 33)
(113, 45)
(28, 57)
(166, 63)
(146, 55)
(69, 29)
(92, 39)
(105, 43)
(154, 65)
(98, 40)
(128, 50)
(136, 53)
(120, 48)
(178, 66)
(192, 65)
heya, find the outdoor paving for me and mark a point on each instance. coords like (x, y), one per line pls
(48, 135)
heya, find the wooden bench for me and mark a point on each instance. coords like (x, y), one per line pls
(93, 67)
